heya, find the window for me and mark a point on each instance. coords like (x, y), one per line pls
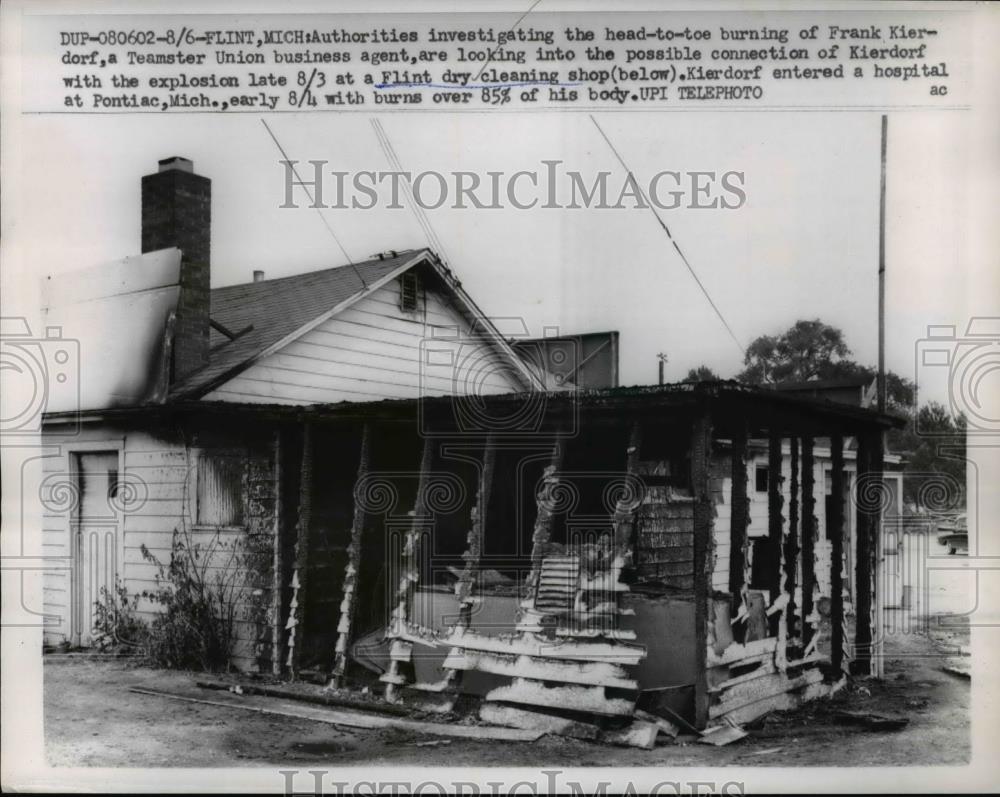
(220, 489)
(760, 481)
(409, 289)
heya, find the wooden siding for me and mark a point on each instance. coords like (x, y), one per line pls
(371, 351)
(722, 485)
(163, 474)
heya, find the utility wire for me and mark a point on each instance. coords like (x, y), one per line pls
(390, 153)
(312, 201)
(666, 229)
(394, 163)
(500, 47)
(397, 165)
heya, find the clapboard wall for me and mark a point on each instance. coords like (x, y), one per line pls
(158, 469)
(374, 350)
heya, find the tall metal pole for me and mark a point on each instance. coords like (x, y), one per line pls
(881, 278)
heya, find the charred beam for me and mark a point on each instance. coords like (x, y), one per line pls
(628, 503)
(792, 541)
(395, 678)
(775, 521)
(835, 521)
(545, 502)
(353, 563)
(808, 541)
(868, 498)
(277, 566)
(739, 521)
(477, 534)
(297, 609)
(701, 455)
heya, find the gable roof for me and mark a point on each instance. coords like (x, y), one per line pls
(266, 315)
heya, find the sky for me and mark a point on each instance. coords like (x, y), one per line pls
(804, 245)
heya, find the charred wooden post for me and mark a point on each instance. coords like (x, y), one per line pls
(808, 543)
(792, 541)
(402, 645)
(353, 563)
(465, 587)
(775, 523)
(835, 521)
(740, 519)
(628, 503)
(868, 498)
(545, 502)
(297, 608)
(701, 455)
(607, 596)
(277, 565)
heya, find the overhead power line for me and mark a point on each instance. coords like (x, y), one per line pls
(312, 201)
(425, 224)
(666, 229)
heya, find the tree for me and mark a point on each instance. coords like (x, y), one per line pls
(702, 374)
(934, 448)
(933, 441)
(805, 351)
(812, 350)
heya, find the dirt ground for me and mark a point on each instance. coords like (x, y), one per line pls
(91, 719)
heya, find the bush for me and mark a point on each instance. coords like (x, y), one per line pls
(116, 627)
(199, 592)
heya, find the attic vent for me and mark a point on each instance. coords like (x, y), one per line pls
(409, 288)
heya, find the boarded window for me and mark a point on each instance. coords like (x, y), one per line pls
(409, 289)
(220, 493)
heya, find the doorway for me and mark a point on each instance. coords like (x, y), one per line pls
(95, 539)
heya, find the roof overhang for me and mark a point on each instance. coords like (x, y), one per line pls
(730, 405)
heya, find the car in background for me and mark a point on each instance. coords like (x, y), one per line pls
(953, 533)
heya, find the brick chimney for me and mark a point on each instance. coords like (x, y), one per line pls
(177, 211)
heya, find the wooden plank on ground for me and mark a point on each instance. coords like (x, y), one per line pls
(590, 700)
(779, 702)
(526, 719)
(764, 686)
(350, 719)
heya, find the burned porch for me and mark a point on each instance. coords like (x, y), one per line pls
(581, 553)
(540, 557)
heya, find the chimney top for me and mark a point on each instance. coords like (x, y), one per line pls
(258, 275)
(177, 163)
